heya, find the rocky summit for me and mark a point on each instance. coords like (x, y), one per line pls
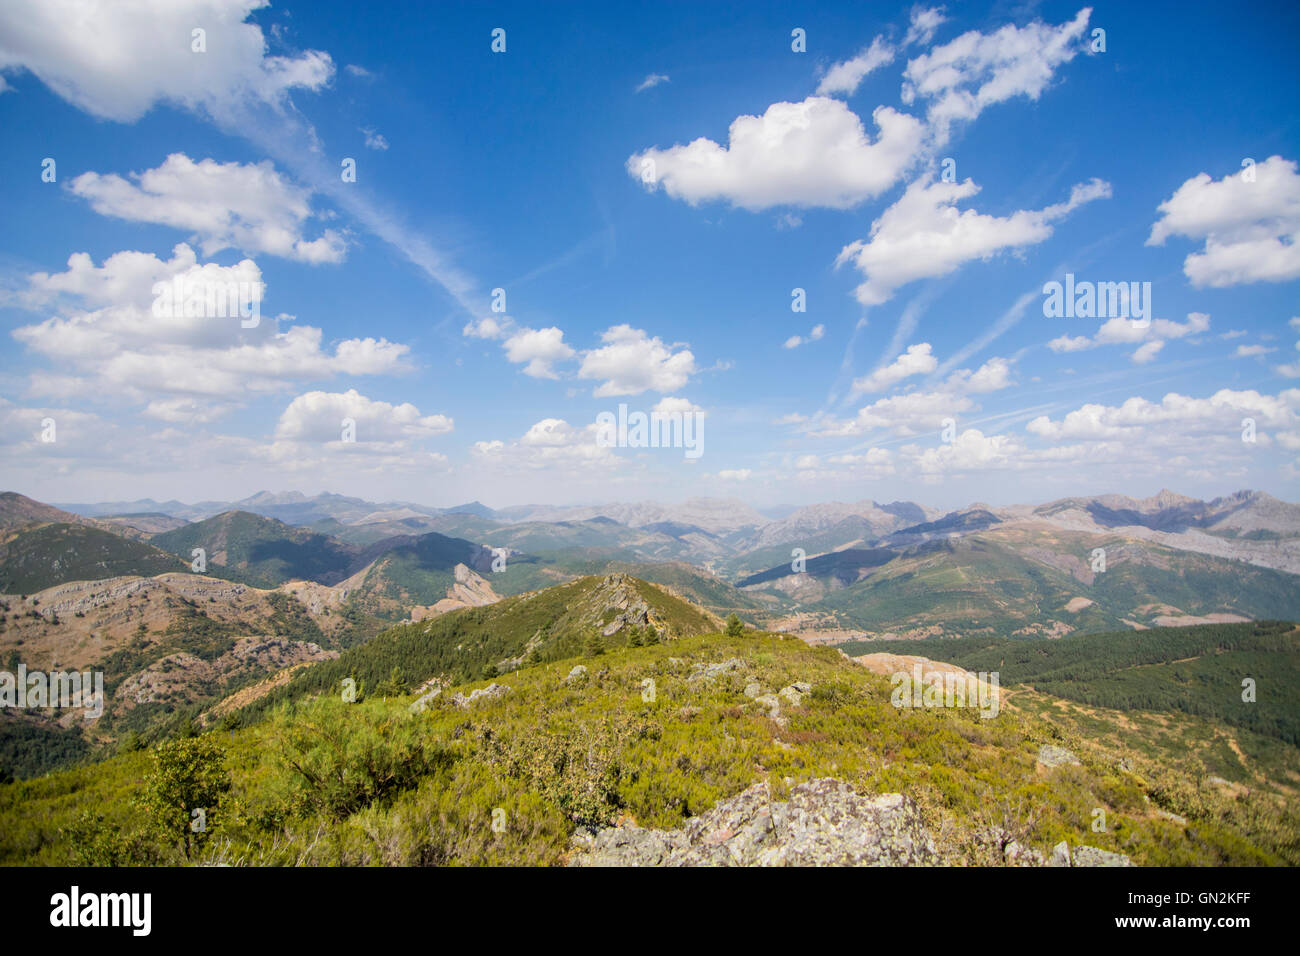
(823, 823)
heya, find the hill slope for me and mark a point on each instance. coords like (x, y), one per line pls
(551, 624)
(39, 556)
(658, 736)
(261, 551)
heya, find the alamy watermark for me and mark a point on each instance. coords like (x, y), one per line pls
(204, 299)
(658, 429)
(946, 689)
(1098, 300)
(61, 689)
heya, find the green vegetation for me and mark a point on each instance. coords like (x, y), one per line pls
(553, 624)
(44, 555)
(29, 749)
(260, 551)
(507, 780)
(1193, 670)
(1015, 583)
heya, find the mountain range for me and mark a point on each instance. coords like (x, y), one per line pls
(531, 643)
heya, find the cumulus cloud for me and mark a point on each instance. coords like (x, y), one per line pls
(924, 21)
(1150, 337)
(318, 417)
(632, 362)
(915, 412)
(963, 77)
(923, 235)
(917, 360)
(224, 205)
(794, 341)
(375, 140)
(120, 59)
(993, 375)
(550, 442)
(1221, 412)
(1250, 224)
(845, 76)
(488, 328)
(540, 349)
(874, 463)
(1252, 351)
(109, 333)
(1292, 370)
(813, 153)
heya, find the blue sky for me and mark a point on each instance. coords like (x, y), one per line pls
(521, 170)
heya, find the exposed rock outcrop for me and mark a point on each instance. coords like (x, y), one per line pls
(824, 823)
(482, 695)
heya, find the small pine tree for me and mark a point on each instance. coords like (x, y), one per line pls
(734, 626)
(595, 644)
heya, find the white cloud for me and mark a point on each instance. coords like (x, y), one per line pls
(969, 450)
(1147, 353)
(120, 346)
(923, 236)
(1292, 370)
(185, 410)
(924, 21)
(1133, 419)
(813, 153)
(904, 415)
(993, 375)
(1252, 351)
(549, 443)
(794, 341)
(488, 328)
(117, 60)
(225, 205)
(976, 70)
(674, 405)
(844, 77)
(917, 360)
(1150, 336)
(1251, 229)
(318, 417)
(651, 81)
(540, 349)
(631, 362)
(536, 349)
(375, 140)
(735, 474)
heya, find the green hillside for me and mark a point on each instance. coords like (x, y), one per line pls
(417, 571)
(325, 782)
(1016, 583)
(41, 556)
(1194, 670)
(555, 623)
(261, 551)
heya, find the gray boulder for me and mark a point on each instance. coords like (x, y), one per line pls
(824, 823)
(482, 695)
(1052, 756)
(1091, 856)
